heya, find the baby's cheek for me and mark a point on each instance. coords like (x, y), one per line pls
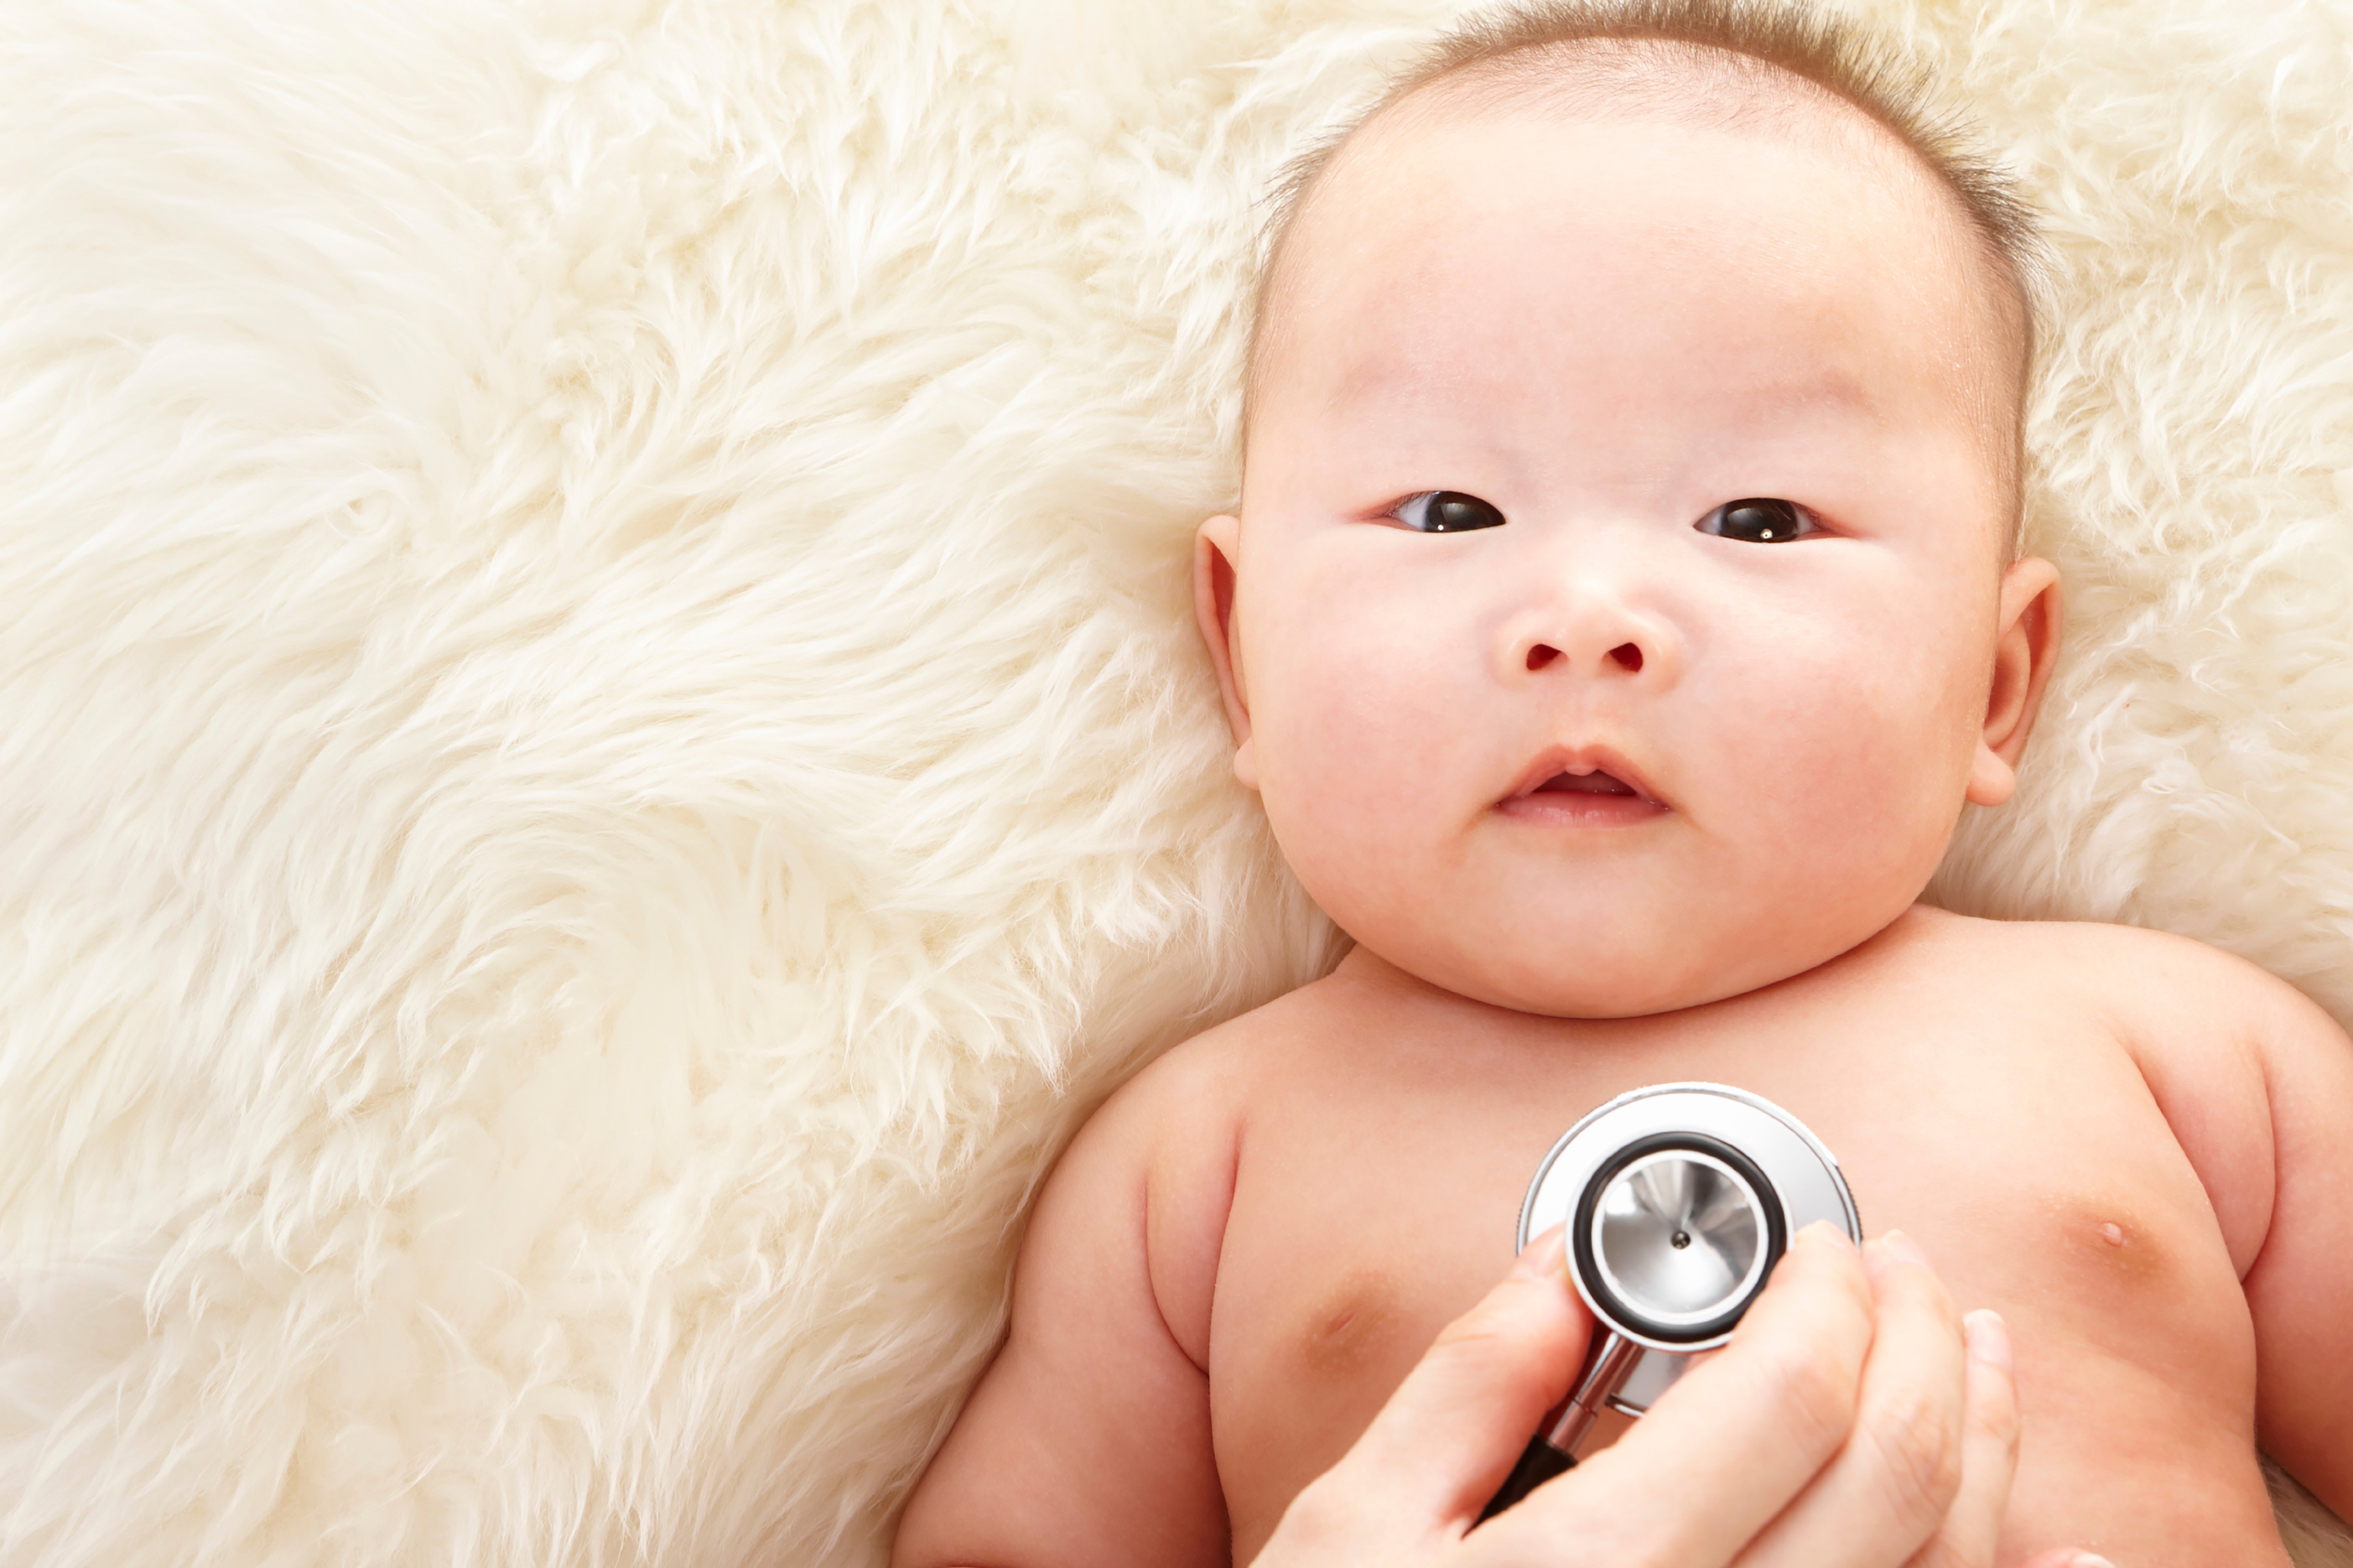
(1360, 727)
(1363, 781)
(1880, 796)
(1338, 794)
(1842, 780)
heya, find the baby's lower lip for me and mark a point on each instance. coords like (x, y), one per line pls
(1594, 799)
(1562, 809)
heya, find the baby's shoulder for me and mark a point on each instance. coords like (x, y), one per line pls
(1215, 1075)
(1165, 1149)
(2151, 987)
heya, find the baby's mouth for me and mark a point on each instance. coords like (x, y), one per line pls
(1594, 782)
(1584, 792)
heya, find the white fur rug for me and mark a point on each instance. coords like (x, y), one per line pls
(600, 748)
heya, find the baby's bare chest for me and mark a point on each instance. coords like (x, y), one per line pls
(1380, 1184)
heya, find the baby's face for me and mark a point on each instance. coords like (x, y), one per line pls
(1537, 712)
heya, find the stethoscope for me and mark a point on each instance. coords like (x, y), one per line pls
(1678, 1200)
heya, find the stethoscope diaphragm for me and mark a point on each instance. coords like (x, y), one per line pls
(1674, 1234)
(1678, 1199)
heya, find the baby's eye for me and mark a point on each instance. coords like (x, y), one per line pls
(1446, 511)
(1759, 520)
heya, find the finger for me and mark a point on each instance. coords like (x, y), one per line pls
(1746, 1428)
(1888, 1488)
(1988, 1456)
(1450, 1433)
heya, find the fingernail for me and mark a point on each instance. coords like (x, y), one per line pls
(1905, 1248)
(1543, 1256)
(1989, 1340)
(1822, 1233)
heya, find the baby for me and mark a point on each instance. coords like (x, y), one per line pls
(1624, 603)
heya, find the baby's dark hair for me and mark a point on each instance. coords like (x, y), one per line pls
(1649, 52)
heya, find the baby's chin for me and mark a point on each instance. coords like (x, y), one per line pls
(1598, 997)
(1621, 938)
(1608, 984)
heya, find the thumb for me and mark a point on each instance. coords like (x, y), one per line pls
(1450, 1434)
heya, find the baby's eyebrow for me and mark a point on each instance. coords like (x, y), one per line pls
(1825, 386)
(1369, 376)
(1819, 383)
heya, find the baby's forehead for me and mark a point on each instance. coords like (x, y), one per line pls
(1384, 206)
(1664, 84)
(1671, 92)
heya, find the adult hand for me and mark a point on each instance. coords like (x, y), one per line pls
(1855, 1421)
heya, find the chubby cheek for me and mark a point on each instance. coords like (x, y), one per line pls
(1367, 746)
(1846, 741)
(1846, 755)
(1834, 785)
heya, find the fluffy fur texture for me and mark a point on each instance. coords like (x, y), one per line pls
(600, 747)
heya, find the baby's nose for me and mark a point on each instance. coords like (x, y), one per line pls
(1593, 631)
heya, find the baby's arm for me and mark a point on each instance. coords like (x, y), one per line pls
(1088, 1441)
(2301, 1287)
(2258, 1084)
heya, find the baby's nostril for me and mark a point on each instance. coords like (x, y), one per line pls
(1540, 656)
(1627, 654)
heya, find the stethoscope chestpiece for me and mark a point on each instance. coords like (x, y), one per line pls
(1678, 1200)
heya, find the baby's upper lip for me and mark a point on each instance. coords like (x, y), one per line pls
(1555, 761)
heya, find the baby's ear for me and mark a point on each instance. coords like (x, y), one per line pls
(2025, 647)
(1216, 549)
